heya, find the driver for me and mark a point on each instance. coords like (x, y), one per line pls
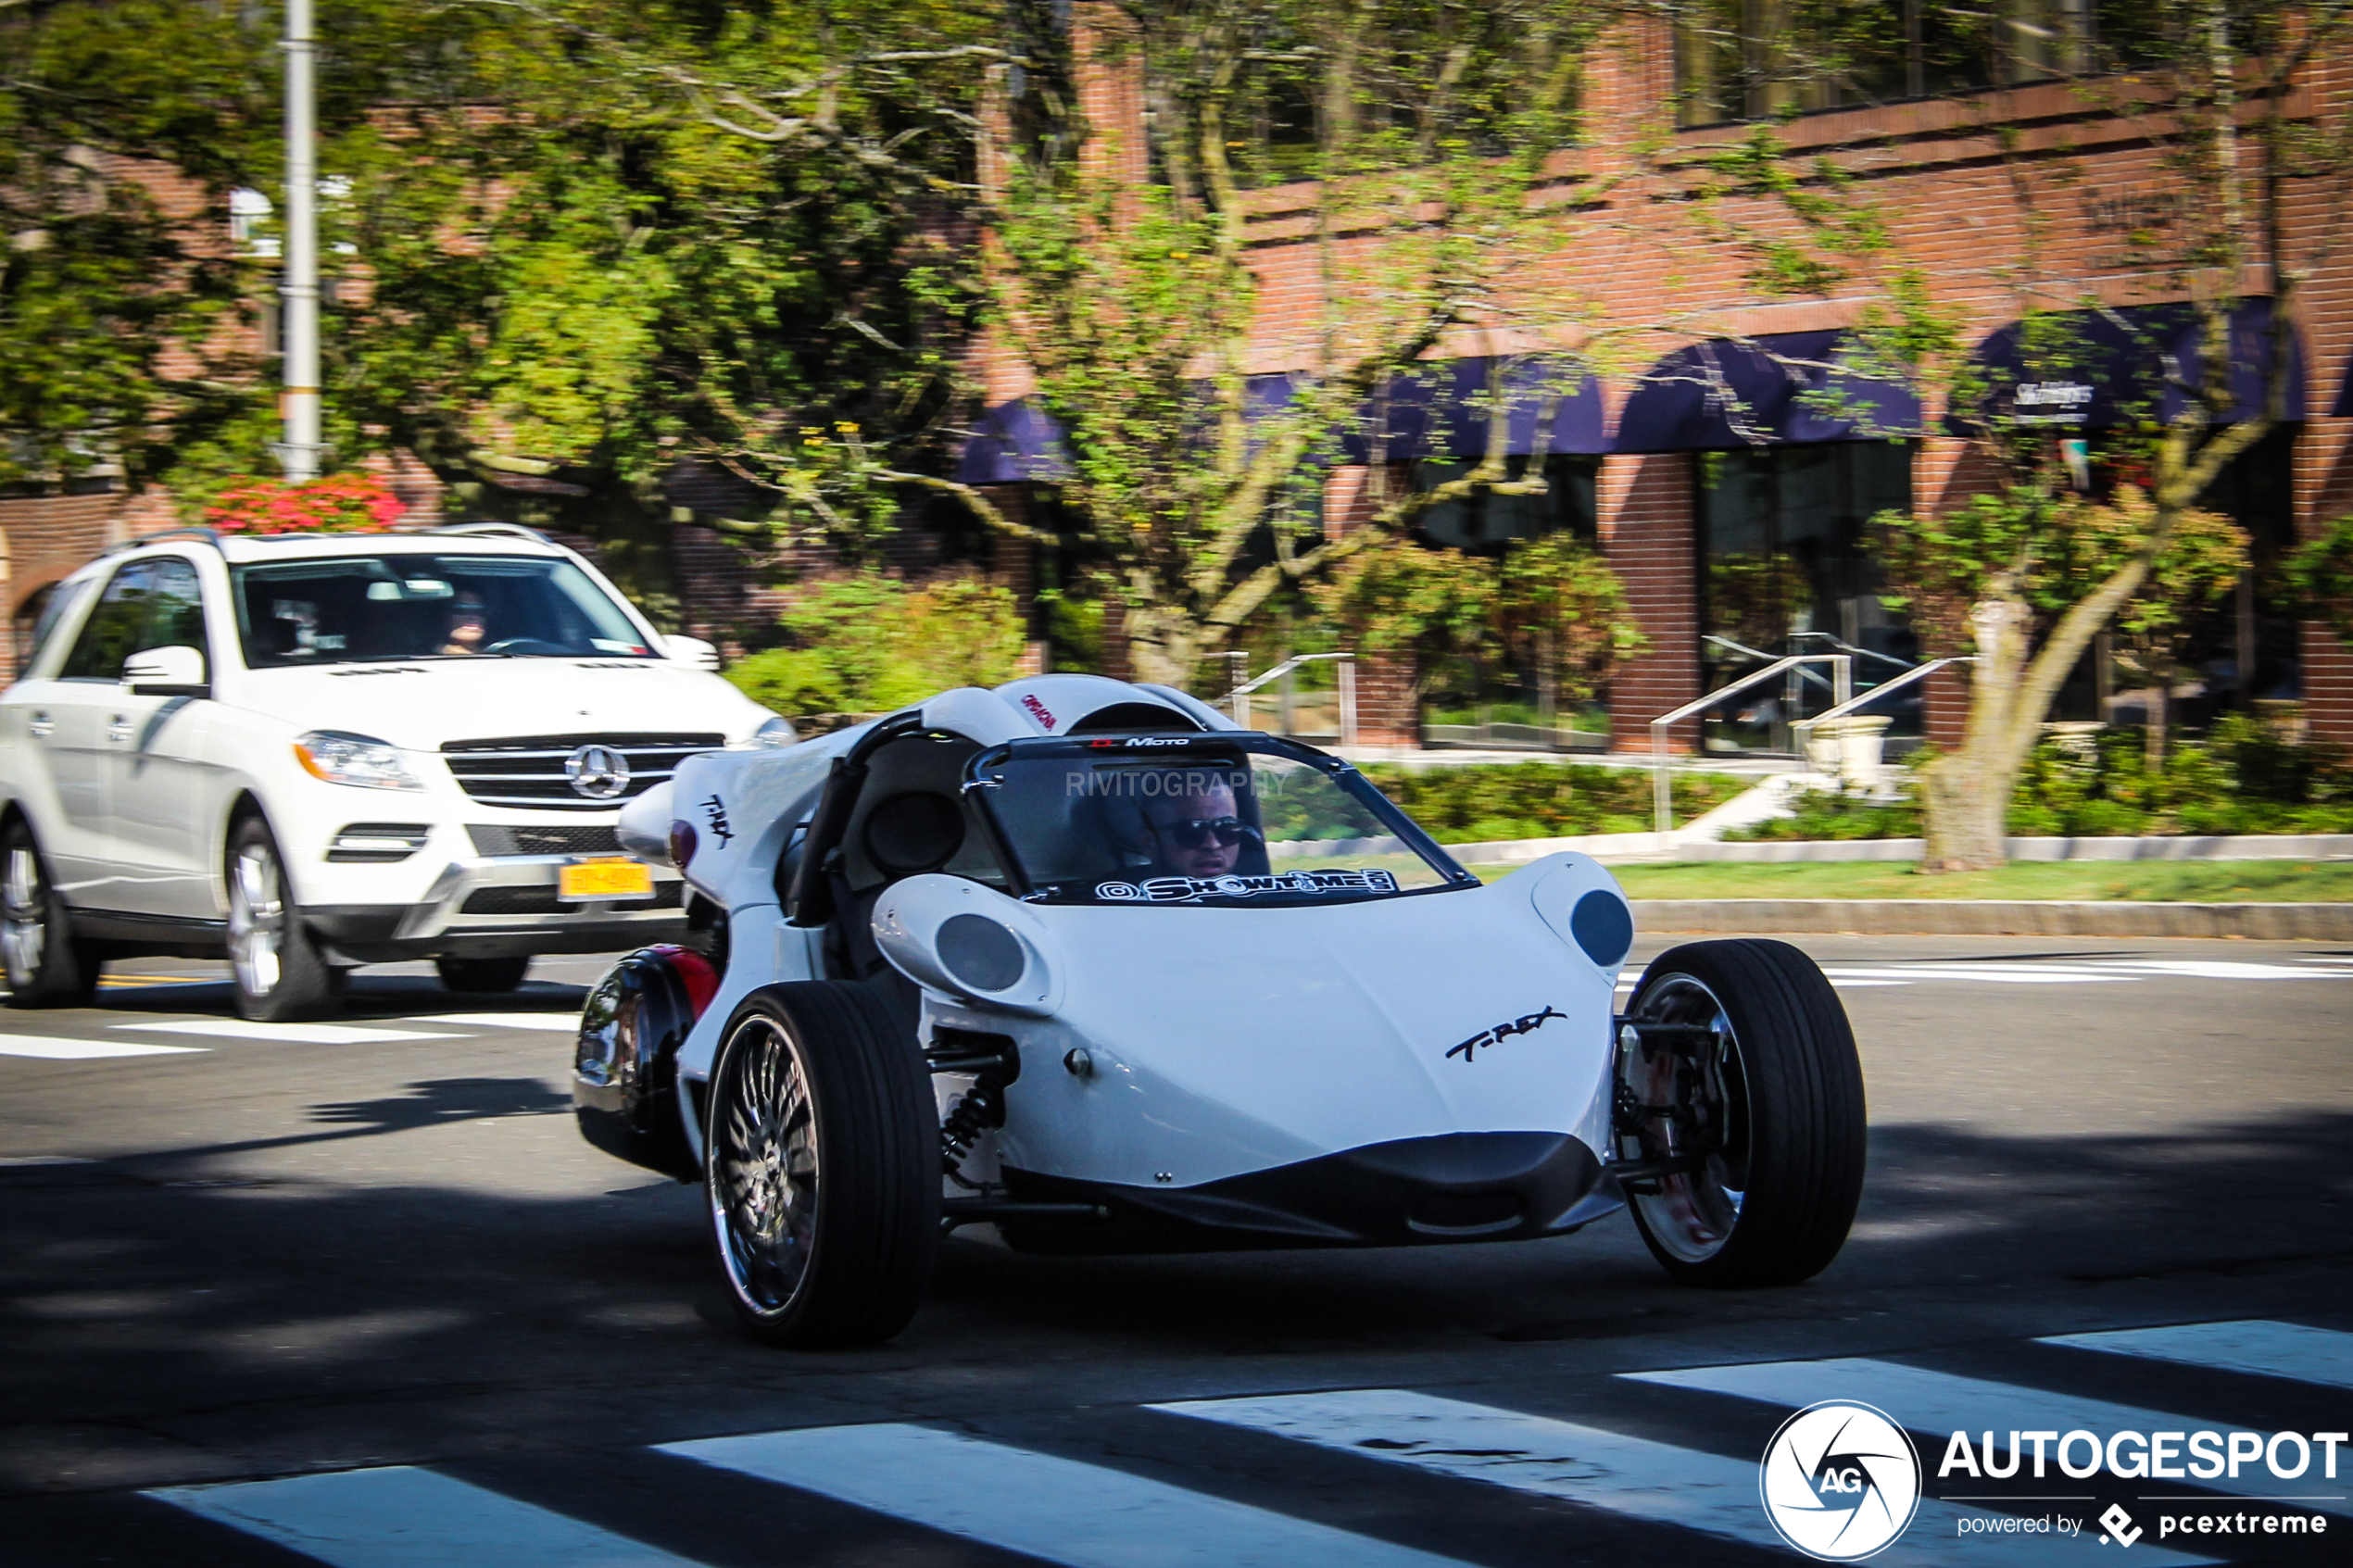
(466, 625)
(1193, 828)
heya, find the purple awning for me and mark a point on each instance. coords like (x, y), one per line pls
(2099, 370)
(1443, 410)
(1015, 443)
(1780, 388)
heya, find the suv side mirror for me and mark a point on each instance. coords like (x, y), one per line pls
(691, 650)
(172, 671)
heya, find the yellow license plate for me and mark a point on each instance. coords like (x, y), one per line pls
(585, 880)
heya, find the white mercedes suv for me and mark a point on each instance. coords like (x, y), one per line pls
(309, 752)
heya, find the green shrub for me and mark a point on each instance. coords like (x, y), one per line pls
(873, 643)
(1481, 803)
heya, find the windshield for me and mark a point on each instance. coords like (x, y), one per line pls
(350, 609)
(1217, 819)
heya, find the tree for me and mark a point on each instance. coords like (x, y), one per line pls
(583, 244)
(1419, 136)
(2035, 573)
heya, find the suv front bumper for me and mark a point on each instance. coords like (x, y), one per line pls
(500, 906)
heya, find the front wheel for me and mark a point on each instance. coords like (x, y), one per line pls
(47, 966)
(280, 972)
(822, 1166)
(1746, 1090)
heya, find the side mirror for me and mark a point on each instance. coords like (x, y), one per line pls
(691, 650)
(172, 671)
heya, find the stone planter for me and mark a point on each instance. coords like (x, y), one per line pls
(1850, 747)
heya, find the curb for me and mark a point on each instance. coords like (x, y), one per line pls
(1683, 846)
(1987, 917)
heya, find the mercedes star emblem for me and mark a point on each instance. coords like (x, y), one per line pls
(597, 772)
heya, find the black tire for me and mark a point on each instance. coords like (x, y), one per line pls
(279, 972)
(1777, 1105)
(484, 975)
(47, 965)
(820, 1166)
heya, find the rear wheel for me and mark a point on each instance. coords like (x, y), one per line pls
(482, 974)
(822, 1166)
(1752, 1098)
(47, 966)
(279, 970)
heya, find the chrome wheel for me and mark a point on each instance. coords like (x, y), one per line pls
(763, 1158)
(257, 917)
(24, 916)
(1688, 1106)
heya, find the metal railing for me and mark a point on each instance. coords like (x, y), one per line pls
(1841, 692)
(1804, 728)
(1237, 701)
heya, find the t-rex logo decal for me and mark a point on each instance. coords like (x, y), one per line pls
(1526, 1023)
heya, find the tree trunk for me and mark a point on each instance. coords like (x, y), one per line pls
(1966, 801)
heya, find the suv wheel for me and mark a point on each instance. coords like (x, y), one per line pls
(47, 966)
(280, 972)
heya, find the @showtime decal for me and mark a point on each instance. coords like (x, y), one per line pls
(1840, 1481)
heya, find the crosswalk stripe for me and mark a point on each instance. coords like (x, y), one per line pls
(558, 1023)
(1634, 1476)
(57, 1048)
(1940, 1403)
(1082, 1515)
(288, 1034)
(403, 1517)
(2256, 1345)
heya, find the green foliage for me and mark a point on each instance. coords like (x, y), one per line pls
(868, 644)
(2321, 571)
(1551, 600)
(1480, 804)
(2242, 779)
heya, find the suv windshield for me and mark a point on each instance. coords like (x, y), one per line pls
(343, 610)
(1214, 819)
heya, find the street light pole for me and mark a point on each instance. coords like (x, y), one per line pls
(299, 399)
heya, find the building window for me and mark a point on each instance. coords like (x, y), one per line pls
(1784, 566)
(1486, 523)
(1752, 60)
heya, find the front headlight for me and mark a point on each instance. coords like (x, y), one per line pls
(360, 761)
(774, 733)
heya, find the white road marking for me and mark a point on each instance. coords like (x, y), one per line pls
(1082, 1515)
(56, 1047)
(1634, 1476)
(560, 1022)
(2256, 1345)
(18, 1162)
(402, 1517)
(1987, 974)
(1861, 985)
(1938, 1403)
(2220, 969)
(289, 1033)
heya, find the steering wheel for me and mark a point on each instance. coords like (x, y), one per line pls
(527, 645)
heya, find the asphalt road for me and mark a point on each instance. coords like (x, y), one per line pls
(232, 1258)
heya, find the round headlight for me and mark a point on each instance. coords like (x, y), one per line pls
(981, 953)
(1603, 926)
(682, 844)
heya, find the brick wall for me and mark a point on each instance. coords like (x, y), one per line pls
(1645, 505)
(1386, 710)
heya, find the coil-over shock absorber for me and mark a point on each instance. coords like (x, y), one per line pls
(994, 1061)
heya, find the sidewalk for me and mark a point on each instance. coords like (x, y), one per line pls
(1960, 917)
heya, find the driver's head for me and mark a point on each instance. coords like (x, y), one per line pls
(466, 621)
(1194, 827)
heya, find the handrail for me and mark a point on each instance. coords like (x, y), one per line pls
(1855, 703)
(1760, 653)
(1842, 646)
(1662, 792)
(1238, 700)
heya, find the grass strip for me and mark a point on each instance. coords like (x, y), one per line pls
(2190, 881)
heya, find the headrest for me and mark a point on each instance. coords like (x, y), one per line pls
(917, 830)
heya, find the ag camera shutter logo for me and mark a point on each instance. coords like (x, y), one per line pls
(1840, 1481)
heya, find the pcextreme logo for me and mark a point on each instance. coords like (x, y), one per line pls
(1840, 1481)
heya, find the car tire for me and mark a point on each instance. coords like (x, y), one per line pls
(279, 972)
(48, 966)
(1773, 1109)
(821, 1169)
(483, 975)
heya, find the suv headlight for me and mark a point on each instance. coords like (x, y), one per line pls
(361, 760)
(774, 733)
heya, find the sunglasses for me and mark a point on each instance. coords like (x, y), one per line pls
(1193, 832)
